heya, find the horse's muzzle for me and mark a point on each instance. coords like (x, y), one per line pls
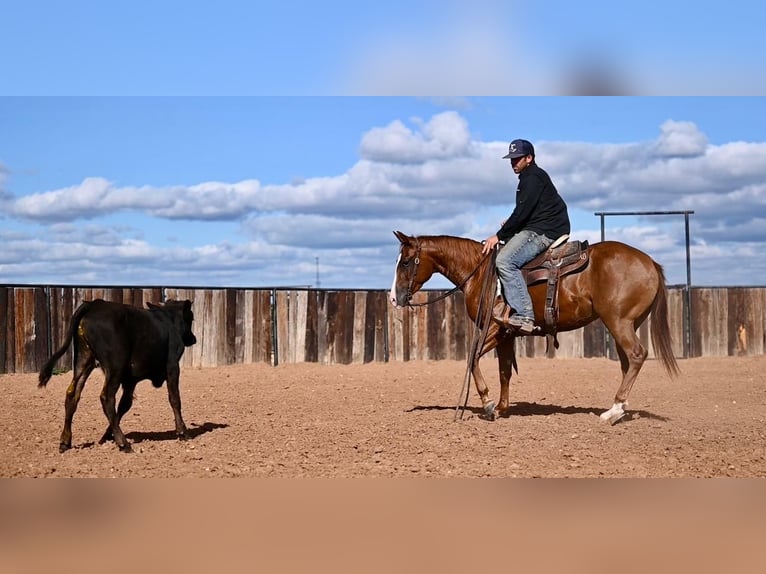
(400, 298)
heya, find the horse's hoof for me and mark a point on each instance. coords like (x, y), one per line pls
(64, 447)
(489, 410)
(612, 418)
(126, 447)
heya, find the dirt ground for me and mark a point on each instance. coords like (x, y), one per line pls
(397, 420)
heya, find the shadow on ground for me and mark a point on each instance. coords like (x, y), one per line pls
(525, 409)
(197, 430)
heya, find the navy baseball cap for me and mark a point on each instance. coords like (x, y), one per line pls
(519, 148)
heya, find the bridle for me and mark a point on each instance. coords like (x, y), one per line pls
(458, 287)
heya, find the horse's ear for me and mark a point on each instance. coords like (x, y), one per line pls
(401, 237)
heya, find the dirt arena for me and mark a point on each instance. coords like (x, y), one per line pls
(397, 420)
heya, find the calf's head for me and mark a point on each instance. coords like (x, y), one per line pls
(184, 316)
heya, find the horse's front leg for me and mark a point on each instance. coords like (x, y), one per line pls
(481, 388)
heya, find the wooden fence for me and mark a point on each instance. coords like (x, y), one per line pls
(276, 326)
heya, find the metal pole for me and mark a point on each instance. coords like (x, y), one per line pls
(689, 351)
(606, 331)
(602, 226)
(687, 315)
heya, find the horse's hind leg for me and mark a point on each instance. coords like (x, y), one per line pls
(505, 362)
(632, 356)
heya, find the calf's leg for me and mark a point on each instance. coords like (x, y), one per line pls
(82, 370)
(108, 396)
(174, 396)
(126, 401)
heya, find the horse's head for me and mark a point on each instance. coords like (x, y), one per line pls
(413, 269)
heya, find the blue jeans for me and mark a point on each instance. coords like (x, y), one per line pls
(520, 249)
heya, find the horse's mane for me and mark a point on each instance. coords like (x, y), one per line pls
(459, 246)
(457, 251)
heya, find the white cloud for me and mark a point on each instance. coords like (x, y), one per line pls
(445, 136)
(423, 177)
(680, 139)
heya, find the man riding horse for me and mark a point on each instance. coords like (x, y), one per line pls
(539, 218)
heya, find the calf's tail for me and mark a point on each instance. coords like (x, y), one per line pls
(47, 369)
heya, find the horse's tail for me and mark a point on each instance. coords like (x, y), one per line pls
(660, 329)
(47, 369)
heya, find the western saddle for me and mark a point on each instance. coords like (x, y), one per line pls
(562, 258)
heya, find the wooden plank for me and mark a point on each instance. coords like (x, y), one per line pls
(436, 323)
(62, 309)
(756, 337)
(283, 325)
(26, 329)
(230, 326)
(454, 310)
(220, 327)
(192, 357)
(115, 295)
(358, 326)
(744, 327)
(421, 329)
(208, 342)
(407, 333)
(709, 320)
(249, 326)
(310, 343)
(593, 339)
(20, 335)
(5, 318)
(676, 320)
(287, 352)
(570, 344)
(398, 334)
(240, 320)
(371, 320)
(42, 333)
(301, 321)
(323, 344)
(381, 306)
(344, 328)
(332, 313)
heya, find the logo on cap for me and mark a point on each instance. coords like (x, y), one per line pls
(519, 148)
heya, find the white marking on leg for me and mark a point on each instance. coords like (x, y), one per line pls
(614, 414)
(392, 293)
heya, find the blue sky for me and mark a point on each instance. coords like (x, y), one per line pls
(503, 47)
(187, 142)
(250, 191)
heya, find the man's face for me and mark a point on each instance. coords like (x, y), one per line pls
(519, 163)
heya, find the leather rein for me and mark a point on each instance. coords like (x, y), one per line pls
(443, 295)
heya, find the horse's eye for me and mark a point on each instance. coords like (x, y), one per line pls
(405, 263)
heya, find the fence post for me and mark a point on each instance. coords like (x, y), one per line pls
(274, 330)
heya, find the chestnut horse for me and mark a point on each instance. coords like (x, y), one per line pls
(620, 285)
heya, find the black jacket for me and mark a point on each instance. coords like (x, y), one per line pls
(539, 207)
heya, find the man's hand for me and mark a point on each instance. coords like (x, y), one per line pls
(489, 244)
